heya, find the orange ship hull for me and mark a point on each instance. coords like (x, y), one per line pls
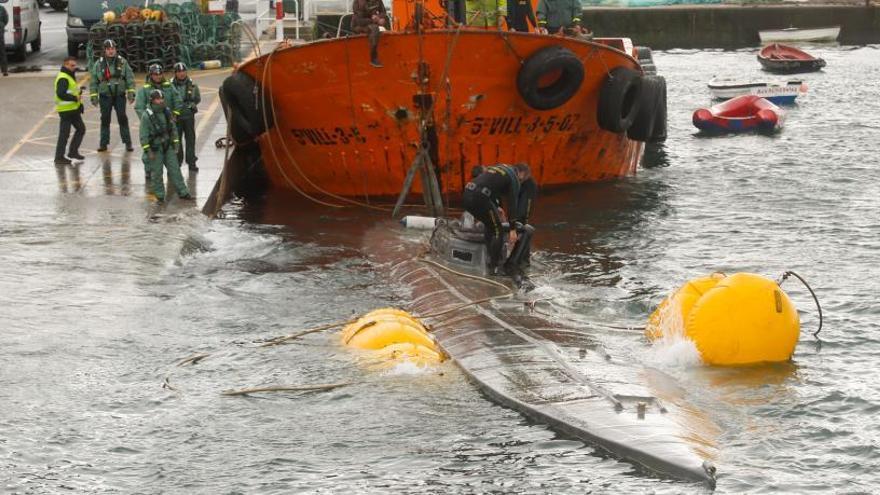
(343, 127)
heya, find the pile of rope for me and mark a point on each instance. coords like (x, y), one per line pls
(184, 34)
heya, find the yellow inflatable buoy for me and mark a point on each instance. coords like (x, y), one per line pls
(413, 353)
(109, 16)
(738, 319)
(396, 333)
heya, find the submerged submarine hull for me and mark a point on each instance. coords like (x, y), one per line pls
(558, 374)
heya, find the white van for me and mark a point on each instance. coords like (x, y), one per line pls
(23, 28)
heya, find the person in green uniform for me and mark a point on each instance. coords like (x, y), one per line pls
(155, 80)
(486, 13)
(560, 16)
(4, 19)
(159, 141)
(187, 104)
(112, 83)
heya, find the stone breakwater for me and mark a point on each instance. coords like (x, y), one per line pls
(729, 26)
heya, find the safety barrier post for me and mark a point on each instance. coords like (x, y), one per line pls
(279, 20)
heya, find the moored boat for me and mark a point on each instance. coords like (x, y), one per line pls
(788, 59)
(741, 114)
(328, 124)
(796, 34)
(777, 92)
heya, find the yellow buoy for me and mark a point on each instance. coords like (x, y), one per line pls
(738, 319)
(414, 353)
(394, 332)
(667, 319)
(109, 16)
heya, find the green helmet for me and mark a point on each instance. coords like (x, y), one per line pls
(156, 93)
(155, 69)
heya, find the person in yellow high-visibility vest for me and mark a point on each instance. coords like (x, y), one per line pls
(485, 13)
(70, 109)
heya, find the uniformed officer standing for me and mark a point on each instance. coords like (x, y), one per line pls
(155, 80)
(111, 85)
(186, 106)
(70, 109)
(159, 141)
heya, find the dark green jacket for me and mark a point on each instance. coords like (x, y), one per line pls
(142, 100)
(111, 77)
(187, 99)
(158, 132)
(559, 13)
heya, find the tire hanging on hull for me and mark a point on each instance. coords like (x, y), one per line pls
(242, 105)
(619, 99)
(650, 122)
(545, 63)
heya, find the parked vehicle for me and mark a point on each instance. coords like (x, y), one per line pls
(58, 5)
(82, 14)
(23, 28)
(788, 59)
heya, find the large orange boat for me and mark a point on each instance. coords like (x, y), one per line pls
(327, 123)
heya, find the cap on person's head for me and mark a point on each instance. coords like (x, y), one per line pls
(155, 69)
(156, 93)
(524, 169)
(109, 44)
(180, 66)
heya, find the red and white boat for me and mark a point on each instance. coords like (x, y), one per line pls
(788, 59)
(741, 114)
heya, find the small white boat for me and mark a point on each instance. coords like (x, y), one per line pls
(778, 92)
(795, 34)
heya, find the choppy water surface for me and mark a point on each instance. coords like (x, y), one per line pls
(99, 303)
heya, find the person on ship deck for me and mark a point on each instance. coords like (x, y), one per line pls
(561, 17)
(485, 13)
(520, 15)
(369, 17)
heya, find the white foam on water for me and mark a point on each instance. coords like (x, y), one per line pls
(674, 351)
(408, 368)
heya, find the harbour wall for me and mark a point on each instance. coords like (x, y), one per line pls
(729, 26)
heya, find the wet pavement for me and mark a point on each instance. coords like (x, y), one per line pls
(28, 143)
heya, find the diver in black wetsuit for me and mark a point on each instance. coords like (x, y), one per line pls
(520, 254)
(482, 198)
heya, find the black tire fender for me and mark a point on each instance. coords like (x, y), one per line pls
(619, 99)
(653, 91)
(244, 108)
(543, 62)
(659, 134)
